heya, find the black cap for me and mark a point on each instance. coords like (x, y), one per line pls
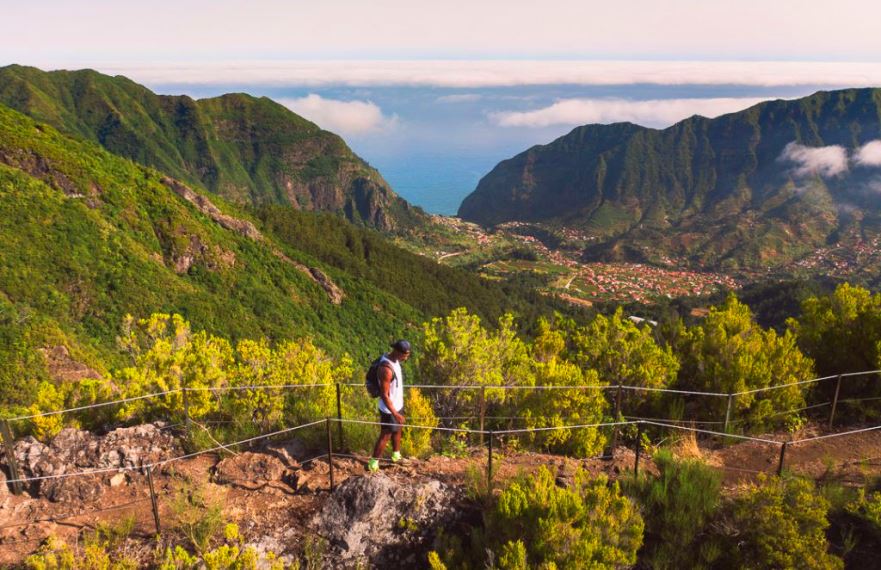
(401, 346)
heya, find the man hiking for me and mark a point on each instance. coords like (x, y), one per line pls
(391, 402)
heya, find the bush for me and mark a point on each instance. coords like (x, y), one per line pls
(587, 525)
(678, 506)
(781, 523)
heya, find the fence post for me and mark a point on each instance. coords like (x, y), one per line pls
(782, 456)
(482, 411)
(834, 401)
(489, 467)
(153, 501)
(728, 412)
(330, 453)
(187, 421)
(615, 428)
(339, 415)
(638, 448)
(8, 440)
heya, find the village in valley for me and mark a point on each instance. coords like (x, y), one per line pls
(554, 257)
(520, 248)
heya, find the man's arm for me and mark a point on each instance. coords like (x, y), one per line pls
(385, 381)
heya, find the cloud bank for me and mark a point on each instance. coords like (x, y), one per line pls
(498, 73)
(869, 154)
(342, 117)
(825, 161)
(655, 112)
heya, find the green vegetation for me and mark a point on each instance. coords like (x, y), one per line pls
(534, 523)
(90, 238)
(729, 353)
(683, 192)
(678, 506)
(245, 149)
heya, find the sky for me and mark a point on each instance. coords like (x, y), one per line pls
(434, 94)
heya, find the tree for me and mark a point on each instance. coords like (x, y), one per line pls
(730, 353)
(842, 333)
(623, 353)
(459, 351)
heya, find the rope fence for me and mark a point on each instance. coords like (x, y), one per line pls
(481, 387)
(330, 453)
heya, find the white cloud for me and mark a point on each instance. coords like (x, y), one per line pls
(495, 73)
(869, 154)
(460, 98)
(654, 112)
(343, 117)
(826, 161)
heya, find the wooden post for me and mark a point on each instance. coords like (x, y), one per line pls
(187, 421)
(14, 473)
(615, 428)
(330, 453)
(782, 456)
(638, 448)
(835, 401)
(339, 415)
(728, 412)
(489, 467)
(153, 501)
(482, 411)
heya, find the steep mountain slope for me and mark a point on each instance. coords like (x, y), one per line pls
(751, 188)
(89, 237)
(245, 149)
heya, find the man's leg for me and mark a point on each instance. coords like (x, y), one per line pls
(396, 441)
(379, 448)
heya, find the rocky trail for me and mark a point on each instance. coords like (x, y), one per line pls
(279, 493)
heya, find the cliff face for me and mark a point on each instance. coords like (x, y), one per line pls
(245, 149)
(713, 190)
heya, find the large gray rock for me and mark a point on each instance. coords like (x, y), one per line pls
(377, 518)
(74, 450)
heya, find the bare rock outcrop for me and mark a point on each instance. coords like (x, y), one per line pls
(74, 450)
(247, 229)
(377, 518)
(63, 367)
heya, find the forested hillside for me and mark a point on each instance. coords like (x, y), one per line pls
(89, 238)
(248, 150)
(756, 188)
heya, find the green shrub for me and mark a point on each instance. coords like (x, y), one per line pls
(780, 523)
(677, 506)
(589, 524)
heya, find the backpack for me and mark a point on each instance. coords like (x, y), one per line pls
(371, 382)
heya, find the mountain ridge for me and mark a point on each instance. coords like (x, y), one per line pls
(678, 190)
(246, 149)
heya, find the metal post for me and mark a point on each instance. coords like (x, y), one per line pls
(638, 448)
(782, 456)
(482, 411)
(339, 415)
(615, 428)
(489, 467)
(728, 412)
(187, 421)
(330, 453)
(154, 502)
(835, 401)
(8, 439)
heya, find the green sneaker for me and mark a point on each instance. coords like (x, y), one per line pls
(396, 456)
(373, 465)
